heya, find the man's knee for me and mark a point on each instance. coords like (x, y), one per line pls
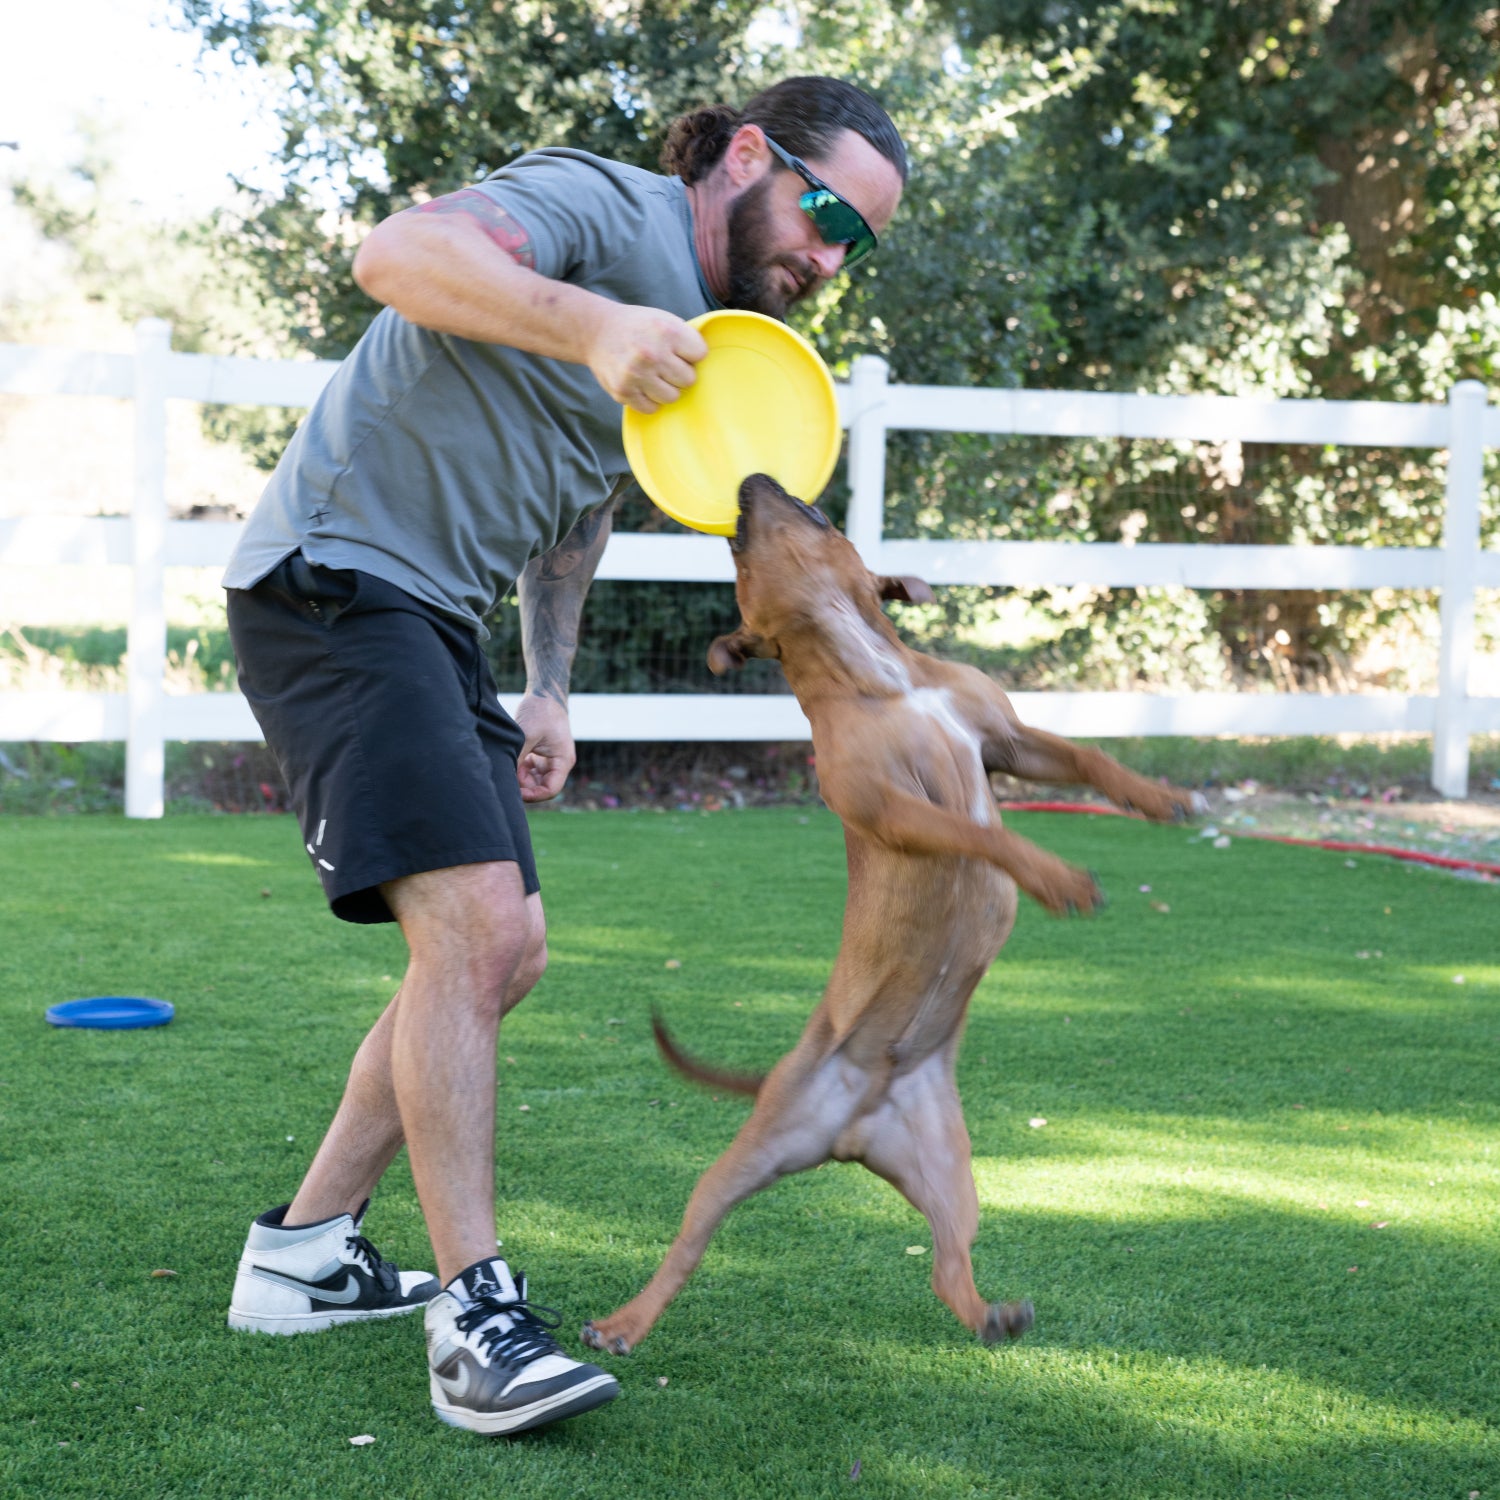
(475, 923)
(533, 962)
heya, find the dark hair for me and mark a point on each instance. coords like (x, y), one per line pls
(804, 115)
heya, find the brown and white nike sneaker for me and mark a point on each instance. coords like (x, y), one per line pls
(315, 1276)
(493, 1364)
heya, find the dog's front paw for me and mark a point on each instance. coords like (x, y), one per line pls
(1164, 804)
(1007, 1320)
(1065, 890)
(601, 1339)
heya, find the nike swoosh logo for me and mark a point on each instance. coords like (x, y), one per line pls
(349, 1292)
(458, 1388)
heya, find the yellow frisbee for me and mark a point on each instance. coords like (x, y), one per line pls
(763, 403)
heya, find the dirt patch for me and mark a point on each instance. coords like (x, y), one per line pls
(1400, 817)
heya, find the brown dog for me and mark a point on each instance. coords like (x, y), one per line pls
(904, 746)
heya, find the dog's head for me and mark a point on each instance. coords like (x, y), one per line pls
(798, 577)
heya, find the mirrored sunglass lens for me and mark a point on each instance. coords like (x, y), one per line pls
(839, 224)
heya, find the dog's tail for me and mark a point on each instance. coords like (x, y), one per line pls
(701, 1072)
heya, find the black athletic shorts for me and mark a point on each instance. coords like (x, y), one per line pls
(388, 729)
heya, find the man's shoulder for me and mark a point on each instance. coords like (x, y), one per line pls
(583, 166)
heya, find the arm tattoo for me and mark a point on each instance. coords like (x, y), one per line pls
(499, 225)
(551, 592)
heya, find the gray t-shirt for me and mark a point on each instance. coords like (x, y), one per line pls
(444, 465)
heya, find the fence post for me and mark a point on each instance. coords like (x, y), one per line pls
(867, 398)
(1450, 740)
(146, 640)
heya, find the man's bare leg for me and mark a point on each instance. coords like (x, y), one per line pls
(426, 1071)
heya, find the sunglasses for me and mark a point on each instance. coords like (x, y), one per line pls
(837, 221)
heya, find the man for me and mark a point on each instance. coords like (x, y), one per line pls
(469, 442)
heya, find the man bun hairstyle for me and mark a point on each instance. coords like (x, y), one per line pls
(803, 115)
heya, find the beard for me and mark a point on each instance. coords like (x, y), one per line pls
(755, 281)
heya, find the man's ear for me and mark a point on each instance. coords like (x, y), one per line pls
(730, 652)
(906, 590)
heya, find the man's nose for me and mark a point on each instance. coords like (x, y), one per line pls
(827, 259)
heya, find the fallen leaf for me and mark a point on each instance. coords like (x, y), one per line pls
(511, 1061)
(1036, 1122)
(674, 963)
(164, 1272)
(362, 1441)
(1381, 1224)
(77, 1385)
(614, 1021)
(916, 1249)
(1299, 1106)
(524, 1108)
(265, 891)
(1160, 906)
(1353, 1269)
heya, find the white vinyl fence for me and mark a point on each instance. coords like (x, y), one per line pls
(146, 716)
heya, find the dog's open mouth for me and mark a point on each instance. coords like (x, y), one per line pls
(753, 492)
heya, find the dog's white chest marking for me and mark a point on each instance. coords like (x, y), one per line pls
(863, 650)
(937, 704)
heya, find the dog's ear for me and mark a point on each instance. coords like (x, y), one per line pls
(730, 652)
(906, 590)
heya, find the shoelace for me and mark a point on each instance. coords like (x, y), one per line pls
(375, 1263)
(527, 1338)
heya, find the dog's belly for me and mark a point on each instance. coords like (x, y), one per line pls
(928, 911)
(919, 935)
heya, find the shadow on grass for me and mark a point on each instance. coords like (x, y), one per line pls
(1231, 1354)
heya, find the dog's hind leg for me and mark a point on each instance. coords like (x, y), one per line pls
(731, 1179)
(798, 1115)
(918, 1142)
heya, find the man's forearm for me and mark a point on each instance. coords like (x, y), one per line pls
(450, 272)
(551, 592)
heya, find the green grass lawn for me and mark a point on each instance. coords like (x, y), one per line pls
(1258, 1224)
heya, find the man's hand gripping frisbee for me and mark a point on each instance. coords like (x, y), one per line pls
(643, 356)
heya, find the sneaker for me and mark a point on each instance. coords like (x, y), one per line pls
(493, 1363)
(319, 1275)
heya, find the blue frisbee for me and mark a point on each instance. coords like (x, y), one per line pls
(111, 1012)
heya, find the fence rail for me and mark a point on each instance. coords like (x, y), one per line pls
(148, 542)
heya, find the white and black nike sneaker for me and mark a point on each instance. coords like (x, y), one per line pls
(494, 1366)
(317, 1276)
